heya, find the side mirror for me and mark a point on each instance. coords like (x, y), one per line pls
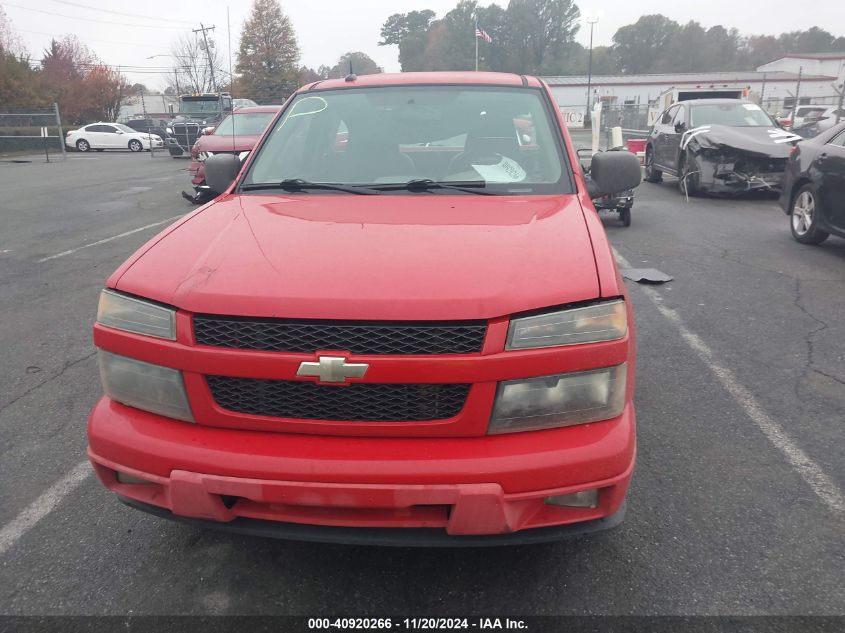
(118, 131)
(679, 126)
(610, 172)
(208, 130)
(221, 171)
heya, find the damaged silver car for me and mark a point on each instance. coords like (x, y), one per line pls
(718, 146)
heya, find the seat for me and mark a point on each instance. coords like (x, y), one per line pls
(377, 160)
(486, 144)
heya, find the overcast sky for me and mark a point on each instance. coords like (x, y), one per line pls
(328, 28)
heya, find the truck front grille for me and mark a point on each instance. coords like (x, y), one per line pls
(283, 335)
(186, 133)
(358, 402)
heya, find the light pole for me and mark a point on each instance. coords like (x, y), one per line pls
(591, 20)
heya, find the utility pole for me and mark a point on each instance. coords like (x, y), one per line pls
(203, 30)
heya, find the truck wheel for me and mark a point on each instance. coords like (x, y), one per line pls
(82, 145)
(652, 174)
(625, 216)
(688, 176)
(803, 219)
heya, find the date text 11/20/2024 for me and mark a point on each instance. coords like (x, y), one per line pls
(419, 624)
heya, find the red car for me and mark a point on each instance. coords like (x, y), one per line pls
(399, 324)
(236, 134)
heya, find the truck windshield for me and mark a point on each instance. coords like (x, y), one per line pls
(501, 139)
(246, 124)
(199, 107)
(734, 114)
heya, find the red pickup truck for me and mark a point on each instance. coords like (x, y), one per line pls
(413, 335)
(236, 134)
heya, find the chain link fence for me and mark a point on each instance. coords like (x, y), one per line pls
(632, 118)
(30, 130)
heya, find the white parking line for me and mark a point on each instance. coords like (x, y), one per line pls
(42, 506)
(822, 485)
(108, 239)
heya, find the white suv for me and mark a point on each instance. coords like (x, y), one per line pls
(101, 136)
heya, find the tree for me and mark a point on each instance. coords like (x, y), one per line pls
(638, 47)
(191, 70)
(813, 40)
(540, 34)
(362, 64)
(268, 53)
(10, 41)
(760, 49)
(20, 84)
(104, 89)
(408, 31)
(64, 66)
(308, 75)
(85, 88)
(454, 48)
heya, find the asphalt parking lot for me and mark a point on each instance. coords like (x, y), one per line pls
(736, 505)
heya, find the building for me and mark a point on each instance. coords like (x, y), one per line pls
(828, 64)
(774, 89)
(156, 106)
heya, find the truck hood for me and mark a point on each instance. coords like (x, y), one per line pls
(221, 143)
(387, 257)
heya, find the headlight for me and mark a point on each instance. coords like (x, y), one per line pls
(145, 386)
(169, 130)
(590, 324)
(133, 315)
(562, 400)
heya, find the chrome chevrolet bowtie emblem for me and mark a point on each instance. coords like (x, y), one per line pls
(332, 369)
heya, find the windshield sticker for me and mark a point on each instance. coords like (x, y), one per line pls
(750, 106)
(318, 105)
(506, 170)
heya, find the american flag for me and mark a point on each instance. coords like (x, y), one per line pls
(479, 32)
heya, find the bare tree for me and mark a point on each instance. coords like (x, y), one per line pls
(191, 70)
(10, 41)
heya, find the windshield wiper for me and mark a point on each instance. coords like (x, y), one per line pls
(297, 184)
(424, 184)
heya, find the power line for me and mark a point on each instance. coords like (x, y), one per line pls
(90, 39)
(129, 15)
(73, 17)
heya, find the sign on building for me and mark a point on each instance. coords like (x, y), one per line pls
(573, 115)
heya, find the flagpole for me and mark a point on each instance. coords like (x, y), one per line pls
(476, 46)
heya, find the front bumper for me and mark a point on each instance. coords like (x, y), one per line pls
(492, 485)
(390, 537)
(174, 148)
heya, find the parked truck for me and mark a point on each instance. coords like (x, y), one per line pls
(674, 94)
(196, 112)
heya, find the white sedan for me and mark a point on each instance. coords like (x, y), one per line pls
(100, 136)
